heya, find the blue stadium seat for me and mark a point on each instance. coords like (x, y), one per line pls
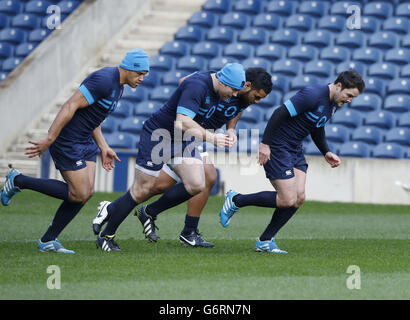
(266, 21)
(369, 25)
(405, 71)
(378, 9)
(285, 37)
(311, 149)
(340, 7)
(217, 6)
(388, 150)
(404, 120)
(299, 22)
(289, 95)
(4, 20)
(348, 65)
(383, 40)
(146, 108)
(383, 70)
(367, 55)
(109, 125)
(161, 63)
(218, 62)
(318, 38)
(405, 41)
(6, 50)
(398, 56)
(10, 64)
(381, 119)
(191, 63)
(12, 35)
(189, 34)
(206, 49)
(38, 7)
(238, 50)
(354, 149)
(332, 23)
(221, 34)
(162, 93)
(282, 8)
(350, 39)
(132, 125)
(302, 81)
(270, 51)
(397, 103)
(273, 99)
(287, 67)
(171, 78)
(367, 134)
(252, 114)
(38, 35)
(367, 102)
(248, 7)
(337, 133)
(151, 80)
(399, 25)
(335, 54)
(256, 63)
(348, 117)
(25, 21)
(24, 49)
(121, 140)
(303, 53)
(398, 135)
(10, 7)
(134, 94)
(398, 86)
(174, 49)
(374, 85)
(123, 109)
(67, 7)
(320, 68)
(255, 36)
(280, 83)
(204, 19)
(314, 8)
(236, 20)
(3, 76)
(403, 10)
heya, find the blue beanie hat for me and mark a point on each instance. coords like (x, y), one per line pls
(135, 60)
(232, 75)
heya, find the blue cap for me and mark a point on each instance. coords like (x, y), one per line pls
(233, 75)
(135, 60)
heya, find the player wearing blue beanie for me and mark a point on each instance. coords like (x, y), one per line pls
(134, 67)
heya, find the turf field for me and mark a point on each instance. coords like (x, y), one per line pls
(323, 240)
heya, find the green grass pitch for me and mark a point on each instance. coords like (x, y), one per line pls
(323, 240)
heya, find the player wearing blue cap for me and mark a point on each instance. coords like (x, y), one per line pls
(73, 141)
(166, 138)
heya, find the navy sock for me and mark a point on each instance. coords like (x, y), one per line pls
(191, 224)
(118, 211)
(279, 219)
(53, 188)
(260, 199)
(65, 213)
(174, 196)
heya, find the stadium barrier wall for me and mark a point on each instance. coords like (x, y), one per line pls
(34, 85)
(357, 180)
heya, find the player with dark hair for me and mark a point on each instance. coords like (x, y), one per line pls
(73, 141)
(258, 85)
(281, 154)
(167, 138)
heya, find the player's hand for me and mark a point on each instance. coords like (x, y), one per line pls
(37, 148)
(232, 136)
(332, 159)
(107, 158)
(263, 154)
(221, 140)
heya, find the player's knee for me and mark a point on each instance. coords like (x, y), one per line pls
(287, 202)
(211, 178)
(159, 188)
(195, 187)
(300, 199)
(81, 196)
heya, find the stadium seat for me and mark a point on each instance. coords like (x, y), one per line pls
(299, 22)
(236, 20)
(397, 103)
(273, 99)
(405, 71)
(67, 7)
(174, 49)
(206, 49)
(248, 7)
(398, 56)
(348, 117)
(12, 35)
(219, 62)
(403, 10)
(311, 149)
(151, 80)
(348, 65)
(335, 54)
(10, 64)
(285, 37)
(162, 93)
(369, 25)
(383, 70)
(270, 51)
(374, 85)
(282, 8)
(217, 6)
(379, 9)
(221, 34)
(6, 50)
(189, 34)
(399, 25)
(404, 120)
(398, 85)
(121, 140)
(161, 63)
(367, 55)
(337, 133)
(313, 8)
(383, 40)
(24, 49)
(320, 68)
(280, 83)
(132, 125)
(10, 7)
(287, 67)
(388, 150)
(109, 125)
(350, 39)
(332, 23)
(191, 63)
(354, 149)
(399, 135)
(4, 21)
(367, 134)
(38, 35)
(3, 75)
(303, 53)
(123, 109)
(318, 38)
(266, 21)
(380, 119)
(38, 7)
(134, 94)
(203, 19)
(405, 41)
(171, 78)
(251, 35)
(256, 63)
(238, 50)
(252, 114)
(366, 102)
(25, 21)
(146, 108)
(340, 7)
(302, 81)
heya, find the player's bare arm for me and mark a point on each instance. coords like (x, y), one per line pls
(230, 129)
